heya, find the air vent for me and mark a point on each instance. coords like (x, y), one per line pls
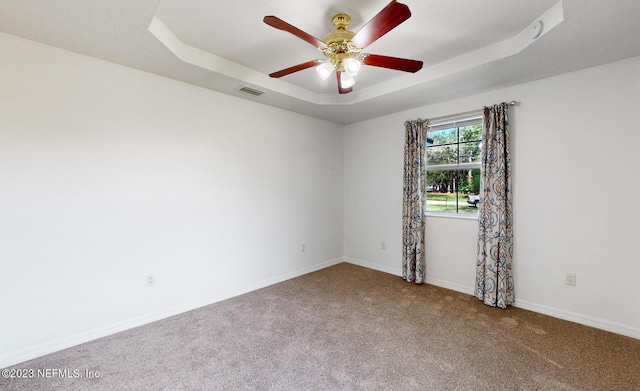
(251, 91)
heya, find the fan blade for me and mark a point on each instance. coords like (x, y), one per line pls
(296, 68)
(391, 16)
(340, 89)
(399, 64)
(282, 25)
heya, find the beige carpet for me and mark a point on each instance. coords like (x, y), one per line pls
(347, 328)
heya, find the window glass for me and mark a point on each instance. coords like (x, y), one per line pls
(453, 167)
(442, 154)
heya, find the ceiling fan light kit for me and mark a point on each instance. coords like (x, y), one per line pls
(324, 70)
(343, 48)
(351, 66)
(346, 80)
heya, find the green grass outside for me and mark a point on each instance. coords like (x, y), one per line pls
(449, 197)
(450, 206)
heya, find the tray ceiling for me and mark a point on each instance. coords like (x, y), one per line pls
(467, 46)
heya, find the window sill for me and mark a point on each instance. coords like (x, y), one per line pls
(458, 216)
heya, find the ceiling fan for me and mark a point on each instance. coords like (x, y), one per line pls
(343, 48)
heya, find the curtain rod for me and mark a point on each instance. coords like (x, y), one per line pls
(468, 114)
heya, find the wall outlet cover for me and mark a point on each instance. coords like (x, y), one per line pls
(151, 280)
(570, 279)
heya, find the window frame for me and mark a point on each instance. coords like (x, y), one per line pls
(456, 121)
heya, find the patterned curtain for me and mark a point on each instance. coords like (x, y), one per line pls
(414, 201)
(494, 272)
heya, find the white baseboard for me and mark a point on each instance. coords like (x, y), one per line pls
(527, 305)
(16, 357)
(398, 272)
(29, 353)
(374, 266)
(601, 324)
(449, 285)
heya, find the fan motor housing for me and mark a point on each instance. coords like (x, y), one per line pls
(341, 34)
(338, 42)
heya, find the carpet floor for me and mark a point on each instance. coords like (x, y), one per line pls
(346, 328)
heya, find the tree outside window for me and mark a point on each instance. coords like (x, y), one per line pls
(453, 166)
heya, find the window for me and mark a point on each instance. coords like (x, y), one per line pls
(453, 166)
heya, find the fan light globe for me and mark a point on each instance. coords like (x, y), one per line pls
(351, 66)
(324, 70)
(346, 80)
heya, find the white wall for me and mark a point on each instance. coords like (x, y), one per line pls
(108, 173)
(575, 142)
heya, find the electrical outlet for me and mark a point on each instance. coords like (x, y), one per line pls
(303, 248)
(383, 245)
(151, 280)
(570, 279)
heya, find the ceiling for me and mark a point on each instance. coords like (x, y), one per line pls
(467, 46)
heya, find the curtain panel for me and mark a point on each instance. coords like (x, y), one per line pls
(414, 201)
(494, 272)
